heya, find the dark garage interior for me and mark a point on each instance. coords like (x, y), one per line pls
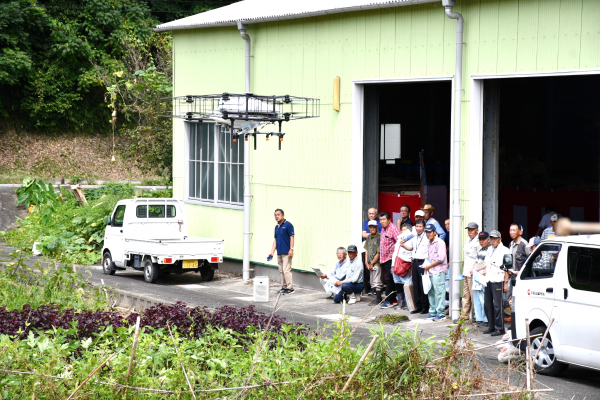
(549, 147)
(419, 116)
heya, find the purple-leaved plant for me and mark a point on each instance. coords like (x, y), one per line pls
(189, 321)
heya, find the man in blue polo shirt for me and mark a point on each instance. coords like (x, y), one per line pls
(284, 243)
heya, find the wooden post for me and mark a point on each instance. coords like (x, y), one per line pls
(362, 359)
(542, 342)
(78, 193)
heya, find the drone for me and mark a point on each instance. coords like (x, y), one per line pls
(243, 114)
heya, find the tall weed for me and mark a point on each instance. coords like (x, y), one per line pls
(36, 286)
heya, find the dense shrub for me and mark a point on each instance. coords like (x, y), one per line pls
(70, 232)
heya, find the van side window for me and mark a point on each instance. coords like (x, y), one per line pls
(119, 216)
(583, 264)
(170, 211)
(141, 212)
(542, 262)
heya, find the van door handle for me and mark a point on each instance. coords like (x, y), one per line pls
(121, 230)
(566, 291)
(549, 290)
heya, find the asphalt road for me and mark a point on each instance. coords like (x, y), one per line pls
(9, 212)
(306, 306)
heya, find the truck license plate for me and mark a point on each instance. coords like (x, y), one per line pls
(190, 263)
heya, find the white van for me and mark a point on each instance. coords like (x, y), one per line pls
(151, 235)
(561, 280)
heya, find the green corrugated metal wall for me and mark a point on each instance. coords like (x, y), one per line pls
(310, 178)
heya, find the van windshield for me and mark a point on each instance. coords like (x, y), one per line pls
(542, 262)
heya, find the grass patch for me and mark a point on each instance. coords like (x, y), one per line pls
(390, 319)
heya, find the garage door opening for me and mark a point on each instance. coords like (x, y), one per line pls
(400, 121)
(541, 148)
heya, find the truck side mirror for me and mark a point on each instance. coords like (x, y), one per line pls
(107, 221)
(508, 261)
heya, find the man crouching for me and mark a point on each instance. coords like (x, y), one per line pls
(329, 279)
(353, 285)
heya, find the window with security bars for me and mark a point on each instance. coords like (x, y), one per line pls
(215, 165)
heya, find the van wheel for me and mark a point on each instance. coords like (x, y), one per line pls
(150, 271)
(108, 267)
(546, 363)
(207, 274)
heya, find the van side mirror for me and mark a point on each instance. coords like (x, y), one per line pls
(107, 221)
(508, 261)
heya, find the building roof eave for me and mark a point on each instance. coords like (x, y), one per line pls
(215, 18)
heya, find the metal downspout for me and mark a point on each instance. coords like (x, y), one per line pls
(247, 194)
(456, 221)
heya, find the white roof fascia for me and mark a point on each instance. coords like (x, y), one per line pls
(210, 18)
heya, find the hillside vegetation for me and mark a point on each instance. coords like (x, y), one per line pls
(72, 157)
(91, 66)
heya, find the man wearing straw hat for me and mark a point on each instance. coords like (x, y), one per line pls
(428, 210)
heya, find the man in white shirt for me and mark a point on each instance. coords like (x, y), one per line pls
(470, 252)
(337, 274)
(352, 286)
(496, 276)
(419, 245)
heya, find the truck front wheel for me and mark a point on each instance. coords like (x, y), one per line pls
(150, 271)
(108, 266)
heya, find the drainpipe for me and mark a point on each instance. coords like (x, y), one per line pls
(456, 220)
(247, 195)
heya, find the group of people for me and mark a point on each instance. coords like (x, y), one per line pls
(397, 253)
(417, 251)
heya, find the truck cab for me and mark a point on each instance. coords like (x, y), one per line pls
(151, 235)
(561, 280)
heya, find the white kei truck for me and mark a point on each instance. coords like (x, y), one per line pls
(559, 287)
(151, 235)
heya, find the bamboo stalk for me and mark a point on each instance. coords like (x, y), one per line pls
(491, 345)
(301, 395)
(135, 342)
(508, 392)
(362, 359)
(258, 351)
(105, 292)
(542, 342)
(8, 371)
(93, 372)
(528, 354)
(181, 364)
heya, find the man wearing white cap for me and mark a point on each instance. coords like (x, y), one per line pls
(496, 277)
(470, 251)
